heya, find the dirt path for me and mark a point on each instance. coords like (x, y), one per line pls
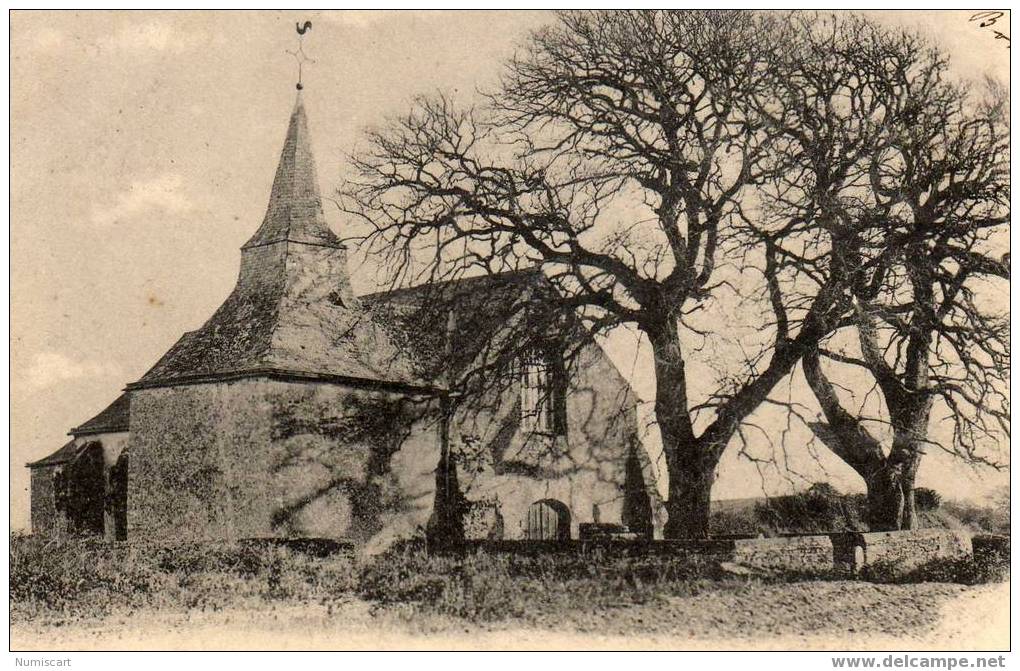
(819, 616)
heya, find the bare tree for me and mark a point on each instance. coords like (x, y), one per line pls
(642, 161)
(928, 333)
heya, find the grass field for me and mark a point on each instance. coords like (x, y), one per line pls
(92, 593)
(97, 594)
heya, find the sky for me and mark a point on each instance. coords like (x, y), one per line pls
(143, 146)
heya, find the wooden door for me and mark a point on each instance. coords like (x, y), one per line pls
(548, 520)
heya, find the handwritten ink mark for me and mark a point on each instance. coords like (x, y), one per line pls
(989, 19)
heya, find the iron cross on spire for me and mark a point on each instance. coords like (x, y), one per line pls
(299, 54)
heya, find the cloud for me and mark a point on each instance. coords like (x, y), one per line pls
(50, 368)
(159, 195)
(151, 36)
(131, 38)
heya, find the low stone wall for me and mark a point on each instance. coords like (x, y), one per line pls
(792, 553)
(718, 549)
(897, 550)
(847, 552)
(807, 553)
(991, 548)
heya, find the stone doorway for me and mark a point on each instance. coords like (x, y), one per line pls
(79, 488)
(548, 520)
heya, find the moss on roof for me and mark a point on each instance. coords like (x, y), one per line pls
(292, 311)
(111, 419)
(444, 326)
(61, 456)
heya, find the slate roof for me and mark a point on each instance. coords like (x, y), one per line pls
(460, 288)
(292, 312)
(61, 456)
(445, 325)
(111, 419)
(295, 208)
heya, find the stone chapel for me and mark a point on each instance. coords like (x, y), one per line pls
(300, 410)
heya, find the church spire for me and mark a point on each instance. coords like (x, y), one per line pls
(295, 205)
(292, 312)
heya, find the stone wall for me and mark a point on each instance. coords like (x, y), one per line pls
(809, 553)
(46, 520)
(112, 444)
(584, 468)
(991, 548)
(898, 550)
(272, 458)
(269, 458)
(850, 552)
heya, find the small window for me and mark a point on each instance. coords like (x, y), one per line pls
(543, 407)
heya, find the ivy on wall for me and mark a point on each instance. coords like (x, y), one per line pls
(79, 490)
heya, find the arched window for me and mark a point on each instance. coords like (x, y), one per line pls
(543, 393)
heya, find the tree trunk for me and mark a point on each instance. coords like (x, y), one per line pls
(909, 518)
(910, 410)
(689, 504)
(891, 496)
(885, 499)
(891, 506)
(690, 467)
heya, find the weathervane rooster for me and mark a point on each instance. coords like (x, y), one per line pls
(299, 53)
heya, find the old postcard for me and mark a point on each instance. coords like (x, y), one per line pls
(510, 330)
